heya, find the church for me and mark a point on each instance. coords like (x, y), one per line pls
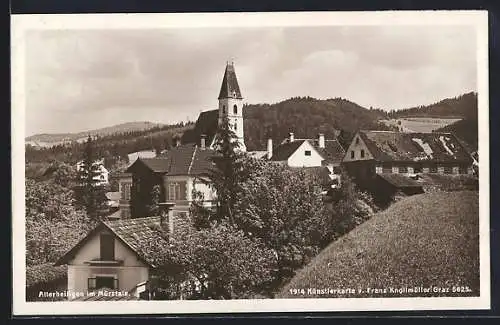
(180, 170)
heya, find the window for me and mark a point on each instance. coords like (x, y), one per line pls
(235, 124)
(417, 169)
(362, 153)
(126, 191)
(357, 140)
(448, 170)
(223, 109)
(107, 247)
(352, 154)
(99, 282)
(176, 191)
(307, 152)
(402, 169)
(235, 109)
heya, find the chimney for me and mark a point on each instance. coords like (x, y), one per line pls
(269, 148)
(167, 217)
(321, 140)
(202, 141)
(290, 137)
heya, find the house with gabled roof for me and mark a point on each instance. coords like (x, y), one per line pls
(177, 174)
(109, 257)
(319, 153)
(376, 159)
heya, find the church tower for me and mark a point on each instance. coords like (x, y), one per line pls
(231, 104)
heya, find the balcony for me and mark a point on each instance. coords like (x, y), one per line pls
(100, 262)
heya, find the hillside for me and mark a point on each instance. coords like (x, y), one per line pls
(306, 117)
(45, 139)
(417, 242)
(113, 148)
(463, 106)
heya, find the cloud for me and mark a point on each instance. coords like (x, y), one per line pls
(90, 77)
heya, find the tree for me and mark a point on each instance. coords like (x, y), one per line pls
(64, 175)
(284, 208)
(53, 223)
(153, 207)
(227, 173)
(216, 263)
(88, 192)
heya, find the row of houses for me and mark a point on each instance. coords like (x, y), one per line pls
(109, 256)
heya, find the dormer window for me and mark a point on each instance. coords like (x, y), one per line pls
(235, 109)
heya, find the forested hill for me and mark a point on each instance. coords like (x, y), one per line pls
(112, 148)
(47, 139)
(306, 117)
(463, 106)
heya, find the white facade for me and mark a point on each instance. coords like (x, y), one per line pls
(191, 183)
(305, 156)
(232, 108)
(129, 273)
(102, 178)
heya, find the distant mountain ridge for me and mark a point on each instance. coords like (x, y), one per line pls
(463, 106)
(47, 139)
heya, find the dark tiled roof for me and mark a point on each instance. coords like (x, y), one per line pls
(398, 146)
(182, 160)
(206, 124)
(134, 231)
(332, 152)
(285, 150)
(157, 165)
(230, 87)
(131, 232)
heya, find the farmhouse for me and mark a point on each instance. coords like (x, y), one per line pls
(403, 161)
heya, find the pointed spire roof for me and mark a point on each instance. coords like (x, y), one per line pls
(230, 87)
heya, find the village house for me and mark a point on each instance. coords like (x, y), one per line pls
(110, 257)
(319, 153)
(394, 161)
(102, 177)
(182, 171)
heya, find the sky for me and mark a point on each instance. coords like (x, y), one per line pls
(78, 80)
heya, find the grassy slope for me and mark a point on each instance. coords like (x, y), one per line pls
(424, 240)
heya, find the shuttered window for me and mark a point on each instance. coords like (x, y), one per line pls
(107, 247)
(176, 191)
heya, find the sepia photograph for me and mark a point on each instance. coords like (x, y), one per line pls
(250, 162)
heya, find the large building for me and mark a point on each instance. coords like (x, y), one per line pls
(385, 162)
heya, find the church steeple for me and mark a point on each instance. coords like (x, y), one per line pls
(231, 103)
(230, 87)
